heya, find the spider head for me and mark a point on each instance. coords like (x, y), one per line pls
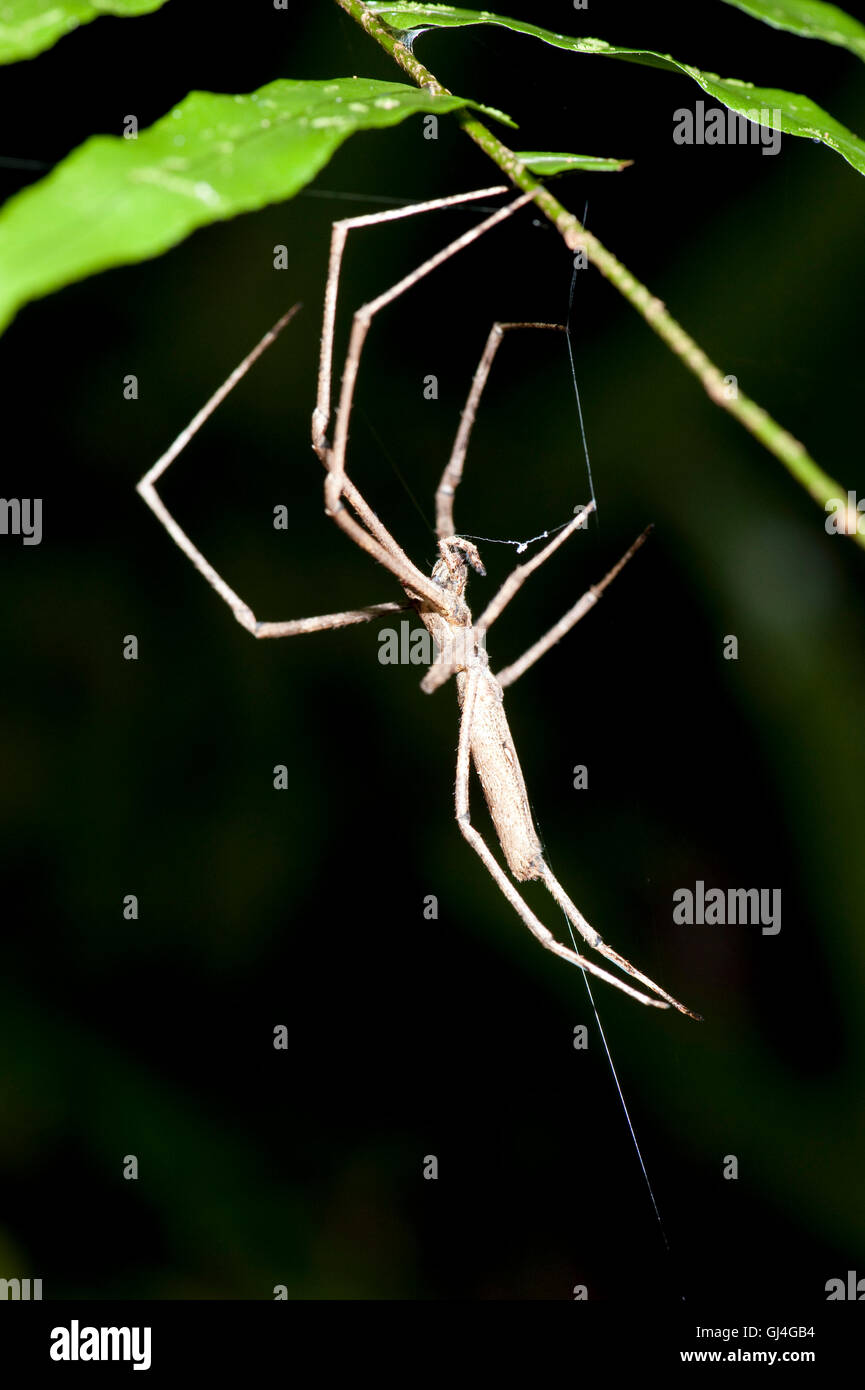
(451, 571)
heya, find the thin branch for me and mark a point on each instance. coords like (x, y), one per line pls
(758, 421)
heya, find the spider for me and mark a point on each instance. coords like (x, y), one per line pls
(439, 599)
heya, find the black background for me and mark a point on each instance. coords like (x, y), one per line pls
(305, 908)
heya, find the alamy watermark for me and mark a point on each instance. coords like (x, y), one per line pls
(21, 516)
(851, 1289)
(721, 126)
(410, 646)
(20, 1289)
(735, 907)
(77, 1343)
(847, 515)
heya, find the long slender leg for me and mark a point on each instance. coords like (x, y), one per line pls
(453, 472)
(383, 544)
(509, 674)
(339, 236)
(387, 551)
(242, 612)
(297, 627)
(517, 578)
(520, 906)
(572, 912)
(293, 627)
(439, 673)
(437, 676)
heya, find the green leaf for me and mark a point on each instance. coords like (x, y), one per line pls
(779, 110)
(115, 200)
(29, 26)
(811, 19)
(545, 163)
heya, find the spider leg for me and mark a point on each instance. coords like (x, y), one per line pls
(242, 612)
(452, 475)
(478, 844)
(438, 674)
(588, 933)
(296, 627)
(509, 674)
(373, 537)
(517, 578)
(338, 238)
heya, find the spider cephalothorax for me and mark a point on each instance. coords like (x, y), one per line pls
(457, 643)
(451, 571)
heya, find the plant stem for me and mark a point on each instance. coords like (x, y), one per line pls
(773, 436)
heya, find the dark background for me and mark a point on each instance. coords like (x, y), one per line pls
(305, 908)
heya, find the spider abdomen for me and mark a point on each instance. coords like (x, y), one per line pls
(498, 768)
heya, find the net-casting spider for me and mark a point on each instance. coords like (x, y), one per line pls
(438, 599)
